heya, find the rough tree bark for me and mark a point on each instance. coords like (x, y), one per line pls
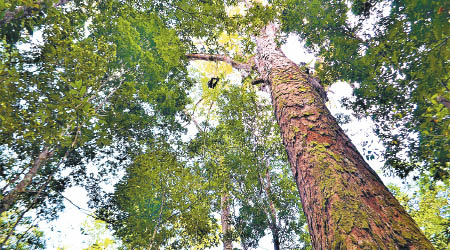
(346, 204)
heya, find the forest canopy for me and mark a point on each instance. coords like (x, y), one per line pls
(117, 95)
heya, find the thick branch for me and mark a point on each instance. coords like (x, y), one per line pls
(11, 197)
(221, 58)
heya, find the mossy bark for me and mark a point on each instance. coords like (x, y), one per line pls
(346, 204)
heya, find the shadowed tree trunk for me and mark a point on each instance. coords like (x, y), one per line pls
(346, 204)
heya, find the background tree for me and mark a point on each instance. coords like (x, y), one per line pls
(161, 202)
(97, 230)
(245, 161)
(265, 199)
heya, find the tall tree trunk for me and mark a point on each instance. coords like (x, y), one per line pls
(346, 204)
(225, 220)
(12, 196)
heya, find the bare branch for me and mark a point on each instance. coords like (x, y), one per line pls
(221, 58)
(11, 197)
(191, 116)
(36, 197)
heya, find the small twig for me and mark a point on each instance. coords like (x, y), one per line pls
(19, 239)
(196, 104)
(83, 210)
(108, 96)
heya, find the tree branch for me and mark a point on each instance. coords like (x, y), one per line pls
(26, 11)
(11, 197)
(222, 58)
(192, 119)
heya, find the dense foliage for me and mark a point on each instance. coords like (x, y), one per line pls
(396, 55)
(161, 202)
(79, 88)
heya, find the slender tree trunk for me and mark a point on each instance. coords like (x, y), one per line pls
(272, 213)
(265, 184)
(346, 204)
(12, 196)
(276, 236)
(225, 220)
